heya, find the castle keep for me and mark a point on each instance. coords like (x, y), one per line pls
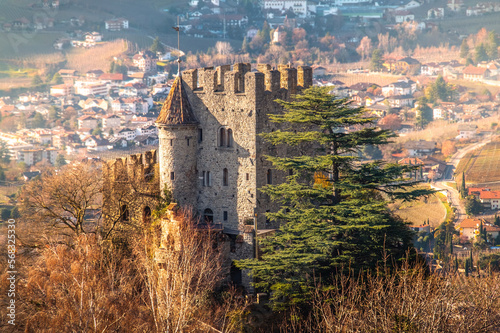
(210, 156)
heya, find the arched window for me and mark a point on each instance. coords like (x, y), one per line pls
(146, 215)
(208, 216)
(124, 214)
(269, 176)
(229, 137)
(222, 137)
(225, 177)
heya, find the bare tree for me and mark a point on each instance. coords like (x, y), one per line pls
(188, 267)
(64, 198)
(223, 48)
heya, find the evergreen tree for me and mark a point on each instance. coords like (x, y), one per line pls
(471, 263)
(332, 209)
(472, 205)
(60, 161)
(497, 220)
(37, 80)
(53, 113)
(57, 79)
(5, 214)
(265, 33)
(38, 121)
(438, 90)
(157, 46)
(376, 61)
(464, 49)
(14, 213)
(424, 113)
(463, 186)
(244, 46)
(481, 54)
(492, 46)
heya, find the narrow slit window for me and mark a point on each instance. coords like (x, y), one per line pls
(225, 177)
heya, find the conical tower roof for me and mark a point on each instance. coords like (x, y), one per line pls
(177, 110)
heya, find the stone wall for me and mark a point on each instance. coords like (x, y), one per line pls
(238, 100)
(131, 189)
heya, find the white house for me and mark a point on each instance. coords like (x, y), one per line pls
(467, 131)
(126, 133)
(116, 24)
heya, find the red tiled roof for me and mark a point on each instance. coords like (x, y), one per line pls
(470, 223)
(489, 195)
(471, 70)
(111, 76)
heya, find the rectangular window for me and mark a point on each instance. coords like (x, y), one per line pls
(187, 141)
(172, 175)
(203, 179)
(200, 135)
(225, 215)
(171, 142)
(248, 176)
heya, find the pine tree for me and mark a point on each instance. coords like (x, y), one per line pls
(464, 49)
(335, 217)
(57, 79)
(157, 46)
(492, 46)
(481, 54)
(244, 46)
(463, 188)
(376, 61)
(471, 263)
(60, 161)
(37, 80)
(424, 115)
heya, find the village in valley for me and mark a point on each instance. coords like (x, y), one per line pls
(437, 108)
(250, 166)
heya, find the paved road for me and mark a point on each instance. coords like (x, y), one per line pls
(453, 195)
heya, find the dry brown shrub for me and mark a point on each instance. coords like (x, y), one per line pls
(408, 301)
(91, 285)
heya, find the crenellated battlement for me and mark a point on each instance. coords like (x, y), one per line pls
(241, 78)
(136, 166)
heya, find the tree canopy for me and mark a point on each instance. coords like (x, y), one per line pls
(376, 61)
(333, 207)
(157, 46)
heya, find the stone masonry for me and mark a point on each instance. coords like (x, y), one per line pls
(211, 155)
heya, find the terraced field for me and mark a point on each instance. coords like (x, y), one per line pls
(482, 167)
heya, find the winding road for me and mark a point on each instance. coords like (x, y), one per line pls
(453, 195)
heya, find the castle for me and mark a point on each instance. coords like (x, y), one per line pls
(211, 156)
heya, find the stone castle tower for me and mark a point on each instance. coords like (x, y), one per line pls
(210, 154)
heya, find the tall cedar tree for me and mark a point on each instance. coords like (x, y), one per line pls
(334, 215)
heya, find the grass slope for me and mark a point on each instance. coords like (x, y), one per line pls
(416, 212)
